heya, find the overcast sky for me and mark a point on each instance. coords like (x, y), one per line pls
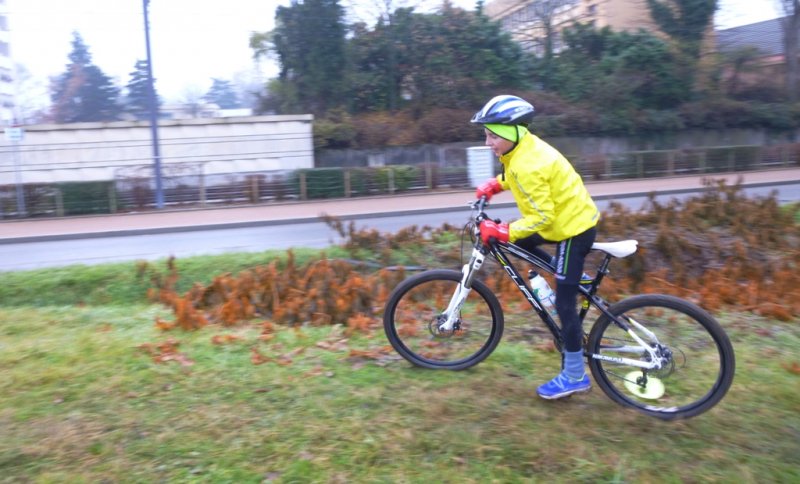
(191, 40)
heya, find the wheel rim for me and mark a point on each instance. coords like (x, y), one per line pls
(688, 379)
(416, 318)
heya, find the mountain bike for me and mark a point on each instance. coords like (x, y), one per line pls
(659, 354)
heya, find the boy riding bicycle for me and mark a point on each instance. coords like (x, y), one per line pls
(555, 207)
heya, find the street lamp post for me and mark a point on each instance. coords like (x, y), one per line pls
(151, 94)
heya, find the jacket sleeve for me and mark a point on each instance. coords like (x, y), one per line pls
(535, 203)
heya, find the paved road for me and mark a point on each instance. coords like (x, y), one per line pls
(32, 244)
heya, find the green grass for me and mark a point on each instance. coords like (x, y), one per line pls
(128, 282)
(81, 402)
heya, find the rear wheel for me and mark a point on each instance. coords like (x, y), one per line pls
(413, 314)
(699, 359)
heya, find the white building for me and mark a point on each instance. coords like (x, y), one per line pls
(6, 70)
(57, 153)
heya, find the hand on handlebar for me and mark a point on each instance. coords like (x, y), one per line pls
(489, 228)
(488, 188)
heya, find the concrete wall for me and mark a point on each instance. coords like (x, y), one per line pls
(104, 151)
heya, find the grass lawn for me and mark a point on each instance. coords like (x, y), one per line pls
(84, 399)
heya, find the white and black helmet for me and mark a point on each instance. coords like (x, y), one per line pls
(505, 109)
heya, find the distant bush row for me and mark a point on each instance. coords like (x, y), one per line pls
(555, 118)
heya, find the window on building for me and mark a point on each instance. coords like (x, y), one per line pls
(4, 48)
(3, 23)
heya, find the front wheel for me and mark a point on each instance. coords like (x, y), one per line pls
(698, 360)
(415, 310)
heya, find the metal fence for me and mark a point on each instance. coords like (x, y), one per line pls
(188, 185)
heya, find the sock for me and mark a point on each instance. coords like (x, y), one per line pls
(573, 364)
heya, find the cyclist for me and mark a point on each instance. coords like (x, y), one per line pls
(555, 208)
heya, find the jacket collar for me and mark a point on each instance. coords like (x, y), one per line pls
(526, 140)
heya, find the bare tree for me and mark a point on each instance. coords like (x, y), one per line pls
(539, 23)
(371, 12)
(192, 100)
(550, 14)
(30, 97)
(791, 28)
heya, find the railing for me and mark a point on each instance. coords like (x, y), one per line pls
(186, 186)
(186, 189)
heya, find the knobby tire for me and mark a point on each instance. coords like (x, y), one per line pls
(702, 367)
(410, 321)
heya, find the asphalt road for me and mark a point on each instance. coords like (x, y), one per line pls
(117, 246)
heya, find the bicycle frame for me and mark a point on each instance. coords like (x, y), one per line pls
(501, 253)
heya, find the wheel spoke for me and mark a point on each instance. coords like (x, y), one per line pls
(414, 314)
(695, 356)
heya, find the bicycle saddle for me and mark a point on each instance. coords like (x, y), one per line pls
(623, 248)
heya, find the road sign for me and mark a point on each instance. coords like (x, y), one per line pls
(14, 134)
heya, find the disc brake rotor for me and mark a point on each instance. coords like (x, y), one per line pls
(433, 327)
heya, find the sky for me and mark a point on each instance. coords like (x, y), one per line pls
(192, 41)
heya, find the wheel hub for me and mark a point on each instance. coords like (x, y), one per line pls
(435, 327)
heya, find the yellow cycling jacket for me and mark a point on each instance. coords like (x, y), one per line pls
(549, 192)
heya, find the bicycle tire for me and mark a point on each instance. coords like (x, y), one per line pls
(410, 321)
(702, 358)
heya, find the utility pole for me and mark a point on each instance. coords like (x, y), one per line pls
(151, 94)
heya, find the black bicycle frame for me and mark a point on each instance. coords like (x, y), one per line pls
(501, 252)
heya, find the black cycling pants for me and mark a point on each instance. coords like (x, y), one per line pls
(570, 256)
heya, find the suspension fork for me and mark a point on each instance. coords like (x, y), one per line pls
(468, 272)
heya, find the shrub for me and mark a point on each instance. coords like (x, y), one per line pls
(445, 125)
(403, 175)
(323, 182)
(333, 133)
(81, 198)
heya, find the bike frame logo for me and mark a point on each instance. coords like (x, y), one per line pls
(521, 285)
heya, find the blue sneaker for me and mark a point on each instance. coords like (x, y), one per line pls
(563, 386)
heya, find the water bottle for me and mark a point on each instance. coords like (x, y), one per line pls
(543, 292)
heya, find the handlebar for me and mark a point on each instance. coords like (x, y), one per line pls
(478, 216)
(478, 206)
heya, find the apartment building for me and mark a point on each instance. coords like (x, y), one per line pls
(6, 70)
(526, 20)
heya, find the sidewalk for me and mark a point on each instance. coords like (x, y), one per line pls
(16, 231)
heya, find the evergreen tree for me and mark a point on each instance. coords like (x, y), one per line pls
(223, 94)
(685, 21)
(137, 100)
(618, 73)
(309, 40)
(83, 93)
(449, 59)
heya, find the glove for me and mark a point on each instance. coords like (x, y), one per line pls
(489, 228)
(488, 188)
